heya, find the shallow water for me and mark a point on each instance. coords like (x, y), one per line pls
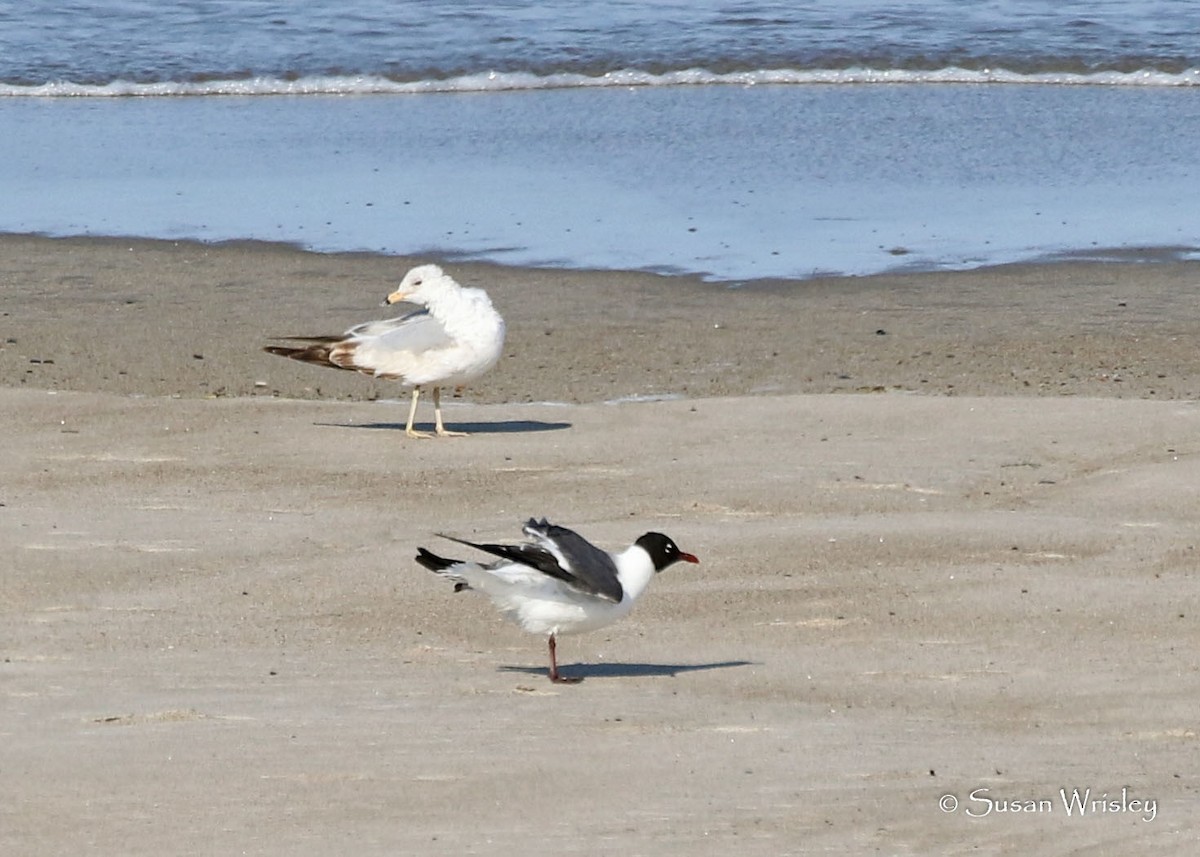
(101, 41)
(731, 182)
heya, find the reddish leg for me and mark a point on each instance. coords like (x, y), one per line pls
(554, 676)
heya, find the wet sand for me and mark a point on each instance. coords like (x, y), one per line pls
(947, 525)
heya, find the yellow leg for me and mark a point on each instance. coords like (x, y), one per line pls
(412, 415)
(441, 430)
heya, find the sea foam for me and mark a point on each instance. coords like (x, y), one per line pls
(516, 81)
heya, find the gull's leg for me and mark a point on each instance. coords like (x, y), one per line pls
(441, 430)
(412, 415)
(554, 676)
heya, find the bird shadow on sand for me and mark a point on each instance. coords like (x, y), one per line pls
(614, 670)
(499, 427)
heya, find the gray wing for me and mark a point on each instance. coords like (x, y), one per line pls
(563, 555)
(417, 331)
(593, 568)
(528, 555)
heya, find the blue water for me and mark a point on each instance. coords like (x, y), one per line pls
(734, 140)
(205, 40)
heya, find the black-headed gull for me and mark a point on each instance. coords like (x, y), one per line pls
(456, 338)
(559, 583)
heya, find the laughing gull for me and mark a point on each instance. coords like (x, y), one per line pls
(454, 339)
(559, 583)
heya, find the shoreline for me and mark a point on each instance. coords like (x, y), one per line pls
(572, 176)
(176, 318)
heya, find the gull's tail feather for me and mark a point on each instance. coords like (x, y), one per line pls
(325, 338)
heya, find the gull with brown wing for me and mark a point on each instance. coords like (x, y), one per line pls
(455, 338)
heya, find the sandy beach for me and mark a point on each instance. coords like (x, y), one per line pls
(947, 525)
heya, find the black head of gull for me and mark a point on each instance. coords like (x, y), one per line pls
(559, 582)
(663, 552)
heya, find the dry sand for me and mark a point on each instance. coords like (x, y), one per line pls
(215, 640)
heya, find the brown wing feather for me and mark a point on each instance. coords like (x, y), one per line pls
(318, 352)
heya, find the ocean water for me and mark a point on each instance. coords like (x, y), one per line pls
(734, 140)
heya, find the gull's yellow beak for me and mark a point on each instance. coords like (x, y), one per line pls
(394, 298)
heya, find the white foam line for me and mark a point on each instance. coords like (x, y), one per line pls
(509, 81)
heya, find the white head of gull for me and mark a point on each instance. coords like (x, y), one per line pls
(455, 338)
(559, 582)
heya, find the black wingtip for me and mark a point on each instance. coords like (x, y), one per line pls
(535, 527)
(432, 561)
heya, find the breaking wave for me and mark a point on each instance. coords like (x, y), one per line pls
(517, 81)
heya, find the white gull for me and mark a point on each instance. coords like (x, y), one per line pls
(456, 338)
